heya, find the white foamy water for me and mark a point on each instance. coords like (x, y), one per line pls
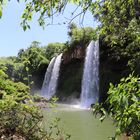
(90, 81)
(51, 78)
(47, 78)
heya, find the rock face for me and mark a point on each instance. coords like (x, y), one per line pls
(37, 79)
(71, 54)
(70, 78)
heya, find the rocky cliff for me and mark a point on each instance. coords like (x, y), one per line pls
(71, 54)
(69, 85)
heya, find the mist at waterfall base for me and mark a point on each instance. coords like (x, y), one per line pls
(90, 81)
(51, 78)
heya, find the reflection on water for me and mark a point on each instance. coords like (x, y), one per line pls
(81, 123)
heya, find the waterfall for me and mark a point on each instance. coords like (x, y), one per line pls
(47, 77)
(51, 78)
(90, 81)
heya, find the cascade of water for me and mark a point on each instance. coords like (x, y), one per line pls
(47, 78)
(54, 77)
(90, 81)
(49, 88)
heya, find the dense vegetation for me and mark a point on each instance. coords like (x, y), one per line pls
(20, 117)
(80, 36)
(123, 105)
(119, 31)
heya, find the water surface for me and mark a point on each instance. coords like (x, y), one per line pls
(81, 123)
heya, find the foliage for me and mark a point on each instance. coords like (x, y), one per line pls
(28, 62)
(9, 87)
(124, 106)
(38, 98)
(115, 17)
(20, 117)
(33, 57)
(81, 36)
(46, 102)
(53, 49)
(47, 9)
(15, 70)
(120, 28)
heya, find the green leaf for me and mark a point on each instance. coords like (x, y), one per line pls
(24, 27)
(0, 12)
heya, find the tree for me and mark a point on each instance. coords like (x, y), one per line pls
(54, 49)
(12, 68)
(81, 36)
(47, 9)
(119, 28)
(33, 57)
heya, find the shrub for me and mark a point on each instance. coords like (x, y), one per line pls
(20, 117)
(124, 106)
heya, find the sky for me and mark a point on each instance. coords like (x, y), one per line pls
(13, 38)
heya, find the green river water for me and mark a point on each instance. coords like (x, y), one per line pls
(81, 124)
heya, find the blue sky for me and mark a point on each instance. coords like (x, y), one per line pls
(13, 38)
